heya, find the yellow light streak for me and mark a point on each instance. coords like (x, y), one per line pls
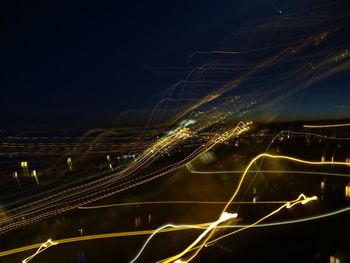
(104, 236)
(284, 157)
(326, 126)
(302, 199)
(224, 217)
(180, 202)
(42, 247)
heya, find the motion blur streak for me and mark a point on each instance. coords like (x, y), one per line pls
(42, 247)
(302, 199)
(103, 236)
(269, 171)
(326, 126)
(179, 202)
(224, 217)
(260, 156)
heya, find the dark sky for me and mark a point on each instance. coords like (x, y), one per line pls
(91, 59)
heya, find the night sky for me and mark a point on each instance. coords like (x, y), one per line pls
(66, 62)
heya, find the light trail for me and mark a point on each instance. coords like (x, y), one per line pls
(288, 133)
(326, 126)
(178, 202)
(42, 248)
(294, 221)
(158, 230)
(104, 236)
(302, 199)
(286, 52)
(224, 217)
(271, 171)
(283, 157)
